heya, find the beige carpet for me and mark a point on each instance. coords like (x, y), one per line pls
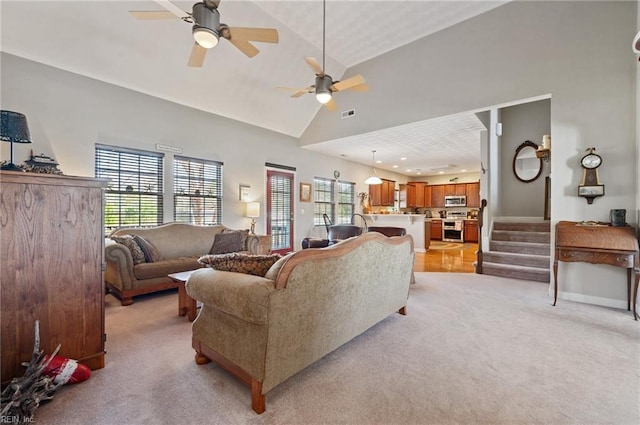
(473, 349)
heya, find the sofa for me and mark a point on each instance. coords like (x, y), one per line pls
(139, 260)
(264, 330)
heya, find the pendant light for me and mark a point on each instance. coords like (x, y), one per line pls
(373, 178)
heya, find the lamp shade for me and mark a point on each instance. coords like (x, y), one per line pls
(253, 209)
(373, 180)
(14, 128)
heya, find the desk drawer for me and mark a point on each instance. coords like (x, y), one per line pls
(613, 259)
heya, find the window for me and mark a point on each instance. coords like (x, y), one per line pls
(134, 192)
(323, 200)
(197, 194)
(346, 202)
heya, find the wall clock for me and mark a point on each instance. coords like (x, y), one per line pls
(591, 187)
(336, 174)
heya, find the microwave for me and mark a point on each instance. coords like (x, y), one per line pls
(455, 201)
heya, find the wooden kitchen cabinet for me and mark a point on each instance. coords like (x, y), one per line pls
(455, 189)
(436, 230)
(417, 194)
(471, 231)
(427, 196)
(473, 195)
(437, 196)
(382, 195)
(52, 254)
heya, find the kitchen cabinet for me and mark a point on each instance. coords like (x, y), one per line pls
(427, 196)
(473, 195)
(436, 230)
(417, 194)
(382, 194)
(455, 189)
(471, 231)
(437, 196)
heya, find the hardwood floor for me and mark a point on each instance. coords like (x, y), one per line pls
(451, 259)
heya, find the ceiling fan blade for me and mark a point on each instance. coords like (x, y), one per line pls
(360, 87)
(197, 56)
(152, 14)
(264, 35)
(298, 92)
(331, 105)
(313, 63)
(173, 8)
(245, 47)
(348, 83)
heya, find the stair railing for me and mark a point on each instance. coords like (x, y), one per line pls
(483, 204)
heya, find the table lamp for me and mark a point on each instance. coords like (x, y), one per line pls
(253, 211)
(13, 129)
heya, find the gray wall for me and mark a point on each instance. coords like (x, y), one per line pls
(578, 52)
(68, 114)
(528, 121)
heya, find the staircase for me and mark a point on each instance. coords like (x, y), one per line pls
(519, 250)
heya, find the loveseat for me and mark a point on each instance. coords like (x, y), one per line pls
(139, 260)
(264, 330)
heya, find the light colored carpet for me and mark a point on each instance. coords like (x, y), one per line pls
(473, 349)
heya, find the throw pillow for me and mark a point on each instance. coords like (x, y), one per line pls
(244, 233)
(151, 253)
(224, 243)
(257, 265)
(132, 245)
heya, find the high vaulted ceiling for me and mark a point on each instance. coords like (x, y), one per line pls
(100, 39)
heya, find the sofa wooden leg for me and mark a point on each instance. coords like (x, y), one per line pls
(200, 359)
(257, 398)
(126, 301)
(403, 310)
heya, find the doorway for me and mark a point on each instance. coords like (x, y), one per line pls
(280, 210)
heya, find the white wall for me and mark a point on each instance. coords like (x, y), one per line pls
(67, 114)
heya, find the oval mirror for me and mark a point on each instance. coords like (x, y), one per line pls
(526, 165)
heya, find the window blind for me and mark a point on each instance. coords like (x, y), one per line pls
(280, 210)
(134, 193)
(323, 200)
(197, 194)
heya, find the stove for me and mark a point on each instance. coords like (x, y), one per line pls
(453, 226)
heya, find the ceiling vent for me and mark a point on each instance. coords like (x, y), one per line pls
(348, 114)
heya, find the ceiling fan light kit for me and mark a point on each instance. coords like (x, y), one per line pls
(323, 88)
(206, 22)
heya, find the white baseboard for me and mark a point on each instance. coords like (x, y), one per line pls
(520, 219)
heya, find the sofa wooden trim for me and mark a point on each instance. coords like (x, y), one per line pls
(333, 251)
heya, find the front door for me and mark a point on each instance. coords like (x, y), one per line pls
(280, 210)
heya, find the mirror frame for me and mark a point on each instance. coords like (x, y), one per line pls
(526, 144)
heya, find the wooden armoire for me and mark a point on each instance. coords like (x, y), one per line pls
(51, 255)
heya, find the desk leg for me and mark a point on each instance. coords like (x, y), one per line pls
(629, 270)
(555, 280)
(635, 294)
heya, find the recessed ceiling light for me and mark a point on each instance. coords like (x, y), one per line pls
(440, 172)
(418, 172)
(408, 171)
(395, 166)
(403, 159)
(378, 162)
(463, 171)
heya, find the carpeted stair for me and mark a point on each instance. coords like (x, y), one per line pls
(519, 250)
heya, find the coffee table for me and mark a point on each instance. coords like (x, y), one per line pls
(186, 305)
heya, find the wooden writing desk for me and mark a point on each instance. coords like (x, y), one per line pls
(598, 244)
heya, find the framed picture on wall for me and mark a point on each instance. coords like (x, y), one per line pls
(305, 192)
(245, 193)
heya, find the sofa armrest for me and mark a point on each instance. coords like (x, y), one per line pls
(259, 245)
(241, 295)
(119, 272)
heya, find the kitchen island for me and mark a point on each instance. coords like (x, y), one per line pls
(414, 223)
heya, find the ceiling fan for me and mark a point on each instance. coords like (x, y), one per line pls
(207, 29)
(324, 86)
